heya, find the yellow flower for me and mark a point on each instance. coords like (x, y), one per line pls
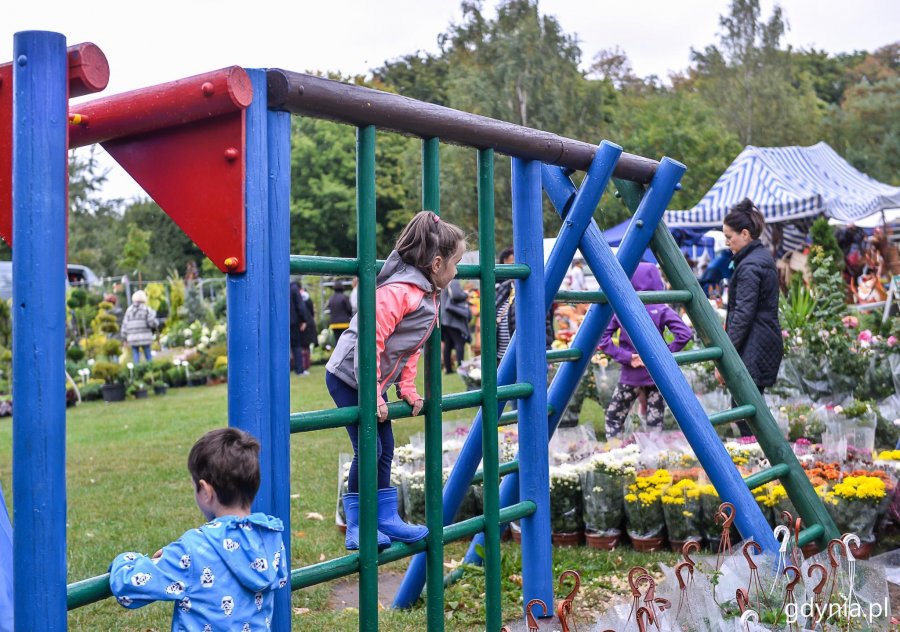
(631, 498)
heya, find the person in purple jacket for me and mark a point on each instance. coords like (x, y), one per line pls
(634, 380)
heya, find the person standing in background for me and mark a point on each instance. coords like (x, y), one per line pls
(339, 311)
(298, 323)
(576, 275)
(307, 335)
(753, 291)
(455, 316)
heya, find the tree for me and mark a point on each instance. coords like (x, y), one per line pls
(169, 245)
(519, 67)
(752, 82)
(866, 129)
(682, 126)
(136, 249)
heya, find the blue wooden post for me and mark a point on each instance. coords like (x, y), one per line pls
(561, 191)
(250, 303)
(40, 177)
(531, 365)
(279, 158)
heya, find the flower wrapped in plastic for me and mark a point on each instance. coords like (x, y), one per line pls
(602, 489)
(854, 505)
(470, 372)
(709, 505)
(681, 507)
(565, 500)
(606, 378)
(643, 505)
(414, 497)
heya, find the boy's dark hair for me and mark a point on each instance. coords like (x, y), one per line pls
(425, 237)
(227, 459)
(743, 215)
(506, 252)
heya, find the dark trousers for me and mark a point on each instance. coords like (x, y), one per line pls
(743, 426)
(343, 396)
(296, 349)
(453, 339)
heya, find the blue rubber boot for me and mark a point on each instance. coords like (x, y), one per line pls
(390, 524)
(351, 511)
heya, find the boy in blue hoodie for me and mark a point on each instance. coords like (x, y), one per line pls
(222, 576)
(635, 380)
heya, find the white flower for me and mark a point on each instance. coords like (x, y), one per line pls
(130, 365)
(91, 362)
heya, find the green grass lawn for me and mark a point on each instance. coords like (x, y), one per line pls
(128, 489)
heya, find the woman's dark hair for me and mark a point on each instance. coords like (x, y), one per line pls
(227, 459)
(743, 215)
(425, 237)
(505, 253)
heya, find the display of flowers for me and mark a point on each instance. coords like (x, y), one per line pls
(414, 497)
(565, 500)
(747, 454)
(409, 455)
(643, 505)
(709, 505)
(682, 507)
(854, 505)
(602, 489)
(888, 459)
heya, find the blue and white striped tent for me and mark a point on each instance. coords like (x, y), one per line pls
(790, 185)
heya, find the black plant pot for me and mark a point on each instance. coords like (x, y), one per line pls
(198, 380)
(113, 392)
(160, 389)
(140, 393)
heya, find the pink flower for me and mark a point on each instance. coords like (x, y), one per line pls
(865, 336)
(850, 321)
(785, 334)
(891, 341)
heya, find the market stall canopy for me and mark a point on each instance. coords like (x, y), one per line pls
(790, 184)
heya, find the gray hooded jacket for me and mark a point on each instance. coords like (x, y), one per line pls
(400, 344)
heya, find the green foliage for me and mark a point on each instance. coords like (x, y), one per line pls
(104, 322)
(822, 235)
(75, 353)
(156, 295)
(797, 306)
(5, 323)
(176, 291)
(77, 298)
(136, 249)
(752, 82)
(109, 372)
(169, 246)
(112, 348)
(195, 308)
(866, 128)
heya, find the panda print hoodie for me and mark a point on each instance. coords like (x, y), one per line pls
(222, 576)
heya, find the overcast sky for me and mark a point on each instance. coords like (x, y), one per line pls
(149, 43)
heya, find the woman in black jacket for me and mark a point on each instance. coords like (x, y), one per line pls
(752, 321)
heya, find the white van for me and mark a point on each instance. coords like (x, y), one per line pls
(78, 276)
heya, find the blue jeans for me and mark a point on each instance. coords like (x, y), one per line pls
(343, 396)
(136, 353)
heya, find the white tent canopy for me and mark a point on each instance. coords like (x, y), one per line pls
(789, 184)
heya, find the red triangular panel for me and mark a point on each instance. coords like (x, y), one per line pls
(195, 172)
(6, 151)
